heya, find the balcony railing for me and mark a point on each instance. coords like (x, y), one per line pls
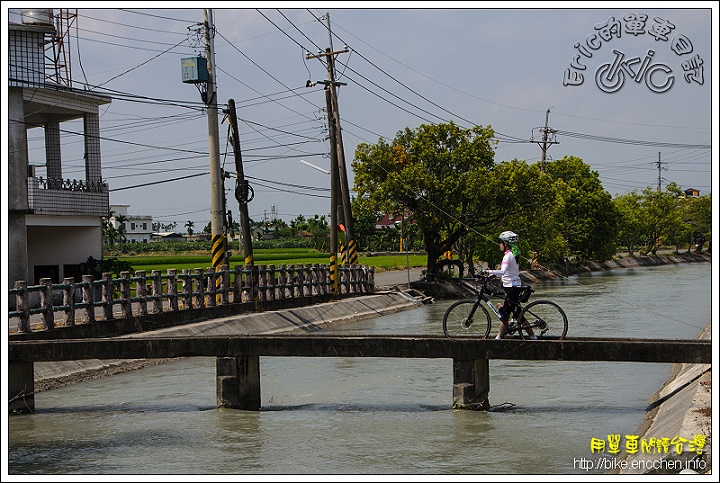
(69, 197)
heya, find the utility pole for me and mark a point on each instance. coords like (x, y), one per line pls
(340, 209)
(243, 195)
(334, 198)
(217, 190)
(350, 245)
(545, 141)
(660, 168)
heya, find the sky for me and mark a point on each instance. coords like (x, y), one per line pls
(509, 68)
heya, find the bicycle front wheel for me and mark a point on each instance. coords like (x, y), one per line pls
(458, 323)
(543, 319)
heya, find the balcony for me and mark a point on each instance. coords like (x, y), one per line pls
(67, 197)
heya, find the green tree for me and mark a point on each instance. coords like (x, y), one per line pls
(590, 219)
(631, 230)
(425, 171)
(121, 230)
(663, 217)
(109, 232)
(511, 196)
(318, 228)
(699, 217)
(189, 225)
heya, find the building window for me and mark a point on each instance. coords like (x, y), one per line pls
(132, 226)
(144, 226)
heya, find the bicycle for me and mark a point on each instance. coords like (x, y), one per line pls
(470, 317)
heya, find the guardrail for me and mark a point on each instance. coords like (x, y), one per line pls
(156, 293)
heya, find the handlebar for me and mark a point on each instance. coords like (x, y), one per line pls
(483, 279)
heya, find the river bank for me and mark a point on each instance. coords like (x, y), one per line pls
(449, 289)
(681, 408)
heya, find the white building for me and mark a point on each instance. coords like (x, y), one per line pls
(137, 228)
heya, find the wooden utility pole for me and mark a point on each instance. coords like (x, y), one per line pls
(334, 119)
(334, 198)
(242, 194)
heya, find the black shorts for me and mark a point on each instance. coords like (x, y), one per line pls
(512, 304)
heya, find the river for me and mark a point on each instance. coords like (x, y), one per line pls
(357, 416)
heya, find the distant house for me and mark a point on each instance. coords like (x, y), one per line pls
(691, 193)
(167, 236)
(256, 233)
(201, 236)
(138, 228)
(388, 221)
(392, 221)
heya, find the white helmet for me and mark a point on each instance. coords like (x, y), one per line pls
(509, 237)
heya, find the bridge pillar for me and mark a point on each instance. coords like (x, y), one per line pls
(21, 387)
(238, 383)
(471, 384)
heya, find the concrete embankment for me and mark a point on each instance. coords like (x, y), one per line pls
(617, 262)
(680, 409)
(449, 289)
(49, 375)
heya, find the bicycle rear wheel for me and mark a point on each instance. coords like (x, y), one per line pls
(544, 319)
(456, 322)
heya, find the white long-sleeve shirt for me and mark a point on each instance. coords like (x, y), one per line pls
(509, 270)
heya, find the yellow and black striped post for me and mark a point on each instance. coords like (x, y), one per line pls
(352, 256)
(218, 258)
(343, 254)
(334, 279)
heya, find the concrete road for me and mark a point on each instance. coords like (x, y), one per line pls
(397, 277)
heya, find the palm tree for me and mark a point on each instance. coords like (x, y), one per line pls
(108, 230)
(189, 226)
(121, 232)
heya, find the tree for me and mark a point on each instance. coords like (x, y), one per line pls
(662, 217)
(121, 231)
(631, 228)
(512, 196)
(189, 225)
(425, 171)
(590, 218)
(699, 217)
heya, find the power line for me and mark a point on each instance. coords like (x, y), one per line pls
(159, 182)
(656, 144)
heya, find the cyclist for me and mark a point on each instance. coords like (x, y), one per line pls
(510, 275)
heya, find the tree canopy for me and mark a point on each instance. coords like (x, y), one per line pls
(425, 171)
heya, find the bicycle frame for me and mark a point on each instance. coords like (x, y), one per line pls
(482, 297)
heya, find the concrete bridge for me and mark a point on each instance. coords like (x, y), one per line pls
(238, 363)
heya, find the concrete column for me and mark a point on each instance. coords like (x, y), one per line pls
(238, 383)
(53, 160)
(91, 124)
(471, 384)
(21, 387)
(17, 193)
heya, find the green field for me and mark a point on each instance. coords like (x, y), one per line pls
(275, 256)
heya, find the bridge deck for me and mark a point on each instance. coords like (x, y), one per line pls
(431, 347)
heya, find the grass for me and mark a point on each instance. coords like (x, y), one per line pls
(277, 257)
